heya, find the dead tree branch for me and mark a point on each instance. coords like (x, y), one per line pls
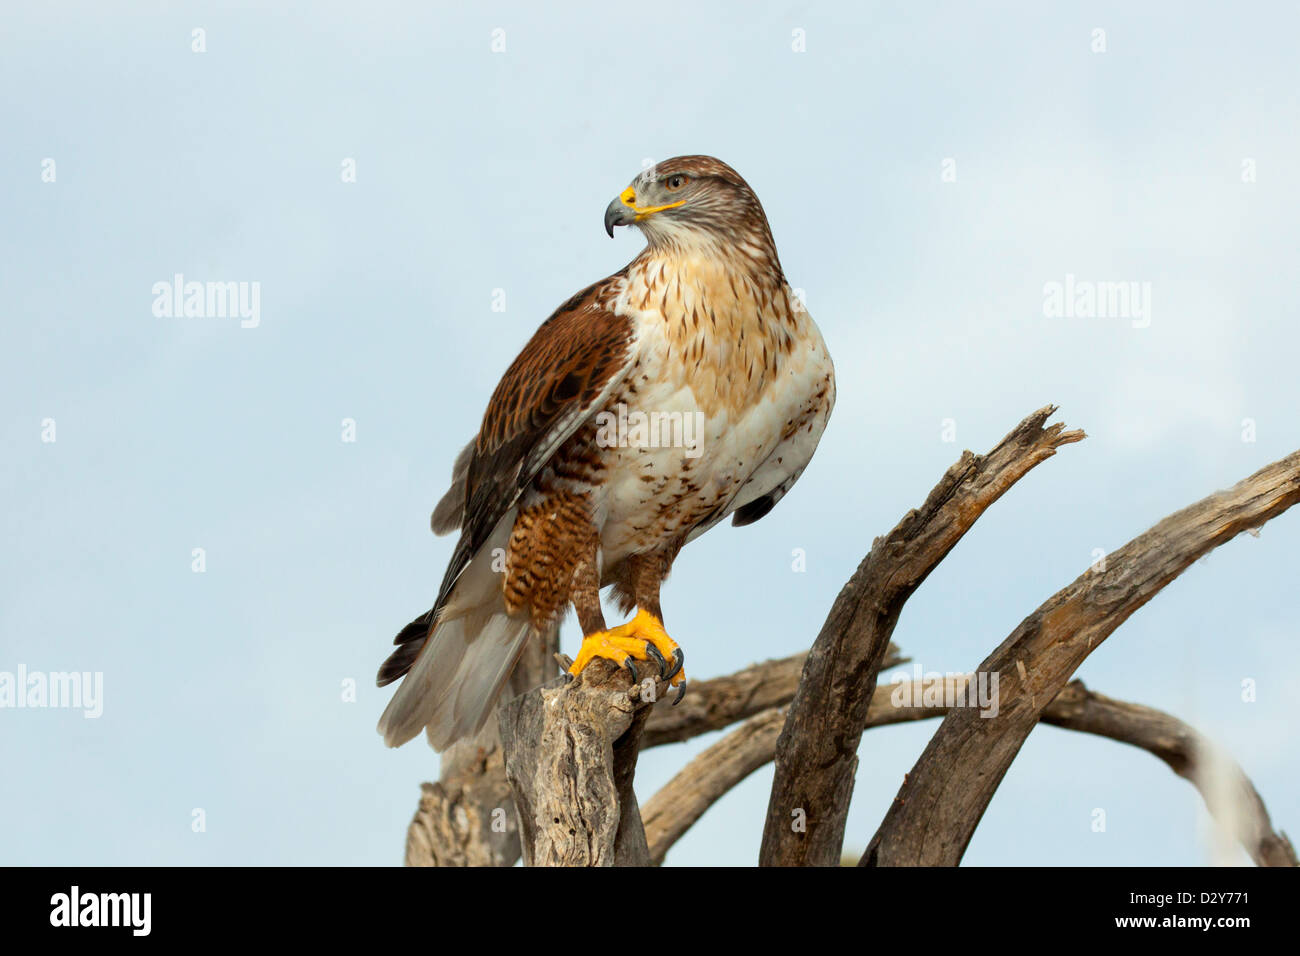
(570, 752)
(816, 755)
(675, 808)
(1231, 798)
(467, 817)
(1228, 793)
(722, 701)
(944, 797)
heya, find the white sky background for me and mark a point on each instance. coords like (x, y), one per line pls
(479, 171)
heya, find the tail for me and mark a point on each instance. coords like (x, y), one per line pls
(455, 670)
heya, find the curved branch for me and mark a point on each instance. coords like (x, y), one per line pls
(697, 786)
(1228, 793)
(720, 702)
(942, 800)
(816, 754)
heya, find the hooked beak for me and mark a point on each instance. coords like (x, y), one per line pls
(624, 211)
(618, 213)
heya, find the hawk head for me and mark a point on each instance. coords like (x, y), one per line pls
(690, 199)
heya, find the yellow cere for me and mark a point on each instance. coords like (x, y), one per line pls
(628, 196)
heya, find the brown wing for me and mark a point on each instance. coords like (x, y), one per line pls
(563, 376)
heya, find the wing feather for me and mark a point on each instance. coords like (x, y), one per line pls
(565, 374)
(449, 512)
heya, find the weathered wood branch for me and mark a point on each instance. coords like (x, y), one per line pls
(675, 808)
(722, 701)
(816, 755)
(467, 817)
(761, 692)
(1228, 793)
(944, 797)
(570, 752)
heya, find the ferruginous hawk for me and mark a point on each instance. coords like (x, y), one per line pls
(689, 386)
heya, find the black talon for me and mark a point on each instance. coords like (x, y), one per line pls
(658, 658)
(679, 658)
(631, 668)
(681, 690)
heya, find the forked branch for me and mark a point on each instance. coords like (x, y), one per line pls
(1228, 793)
(816, 754)
(942, 800)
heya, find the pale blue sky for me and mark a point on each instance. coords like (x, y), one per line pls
(479, 171)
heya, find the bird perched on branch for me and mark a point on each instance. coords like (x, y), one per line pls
(689, 386)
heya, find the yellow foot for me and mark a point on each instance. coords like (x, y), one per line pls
(644, 639)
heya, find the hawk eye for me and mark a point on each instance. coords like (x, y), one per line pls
(676, 182)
